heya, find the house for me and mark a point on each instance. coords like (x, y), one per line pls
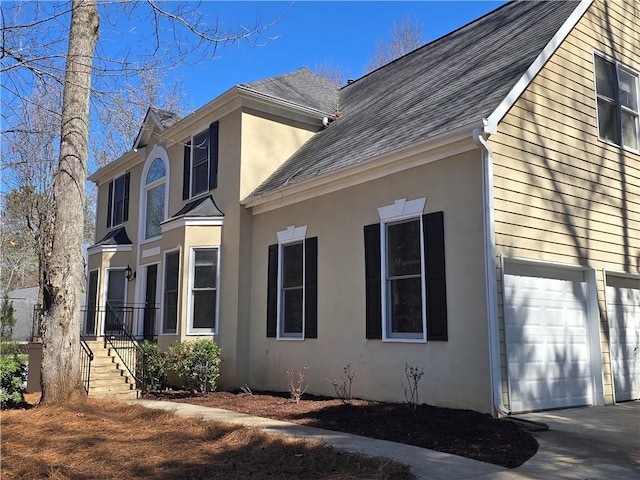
(471, 208)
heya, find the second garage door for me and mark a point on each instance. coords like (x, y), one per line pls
(623, 313)
(547, 337)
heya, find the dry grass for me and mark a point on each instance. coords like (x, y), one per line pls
(111, 440)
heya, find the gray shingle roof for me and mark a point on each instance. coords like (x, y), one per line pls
(166, 118)
(301, 87)
(202, 207)
(115, 237)
(448, 83)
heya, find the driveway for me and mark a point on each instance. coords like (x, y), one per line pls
(591, 443)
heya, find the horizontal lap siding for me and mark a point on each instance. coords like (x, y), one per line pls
(560, 194)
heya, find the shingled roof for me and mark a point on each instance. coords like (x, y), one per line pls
(301, 87)
(448, 83)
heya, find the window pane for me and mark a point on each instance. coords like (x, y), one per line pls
(405, 305)
(605, 77)
(205, 268)
(628, 90)
(403, 247)
(200, 180)
(204, 309)
(156, 171)
(155, 211)
(292, 306)
(118, 200)
(200, 166)
(292, 265)
(630, 130)
(608, 121)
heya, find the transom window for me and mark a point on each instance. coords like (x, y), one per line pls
(617, 99)
(155, 198)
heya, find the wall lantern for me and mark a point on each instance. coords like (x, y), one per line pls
(129, 274)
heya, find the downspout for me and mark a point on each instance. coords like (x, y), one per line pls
(480, 138)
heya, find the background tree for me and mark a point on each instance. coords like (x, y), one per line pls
(7, 318)
(405, 37)
(47, 49)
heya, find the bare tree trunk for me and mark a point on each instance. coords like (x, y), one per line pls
(64, 264)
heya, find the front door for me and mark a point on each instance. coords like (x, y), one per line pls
(150, 307)
(116, 294)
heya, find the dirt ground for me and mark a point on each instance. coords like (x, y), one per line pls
(460, 432)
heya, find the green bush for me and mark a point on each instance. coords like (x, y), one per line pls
(13, 374)
(196, 363)
(155, 367)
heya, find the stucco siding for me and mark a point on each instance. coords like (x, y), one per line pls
(457, 370)
(560, 194)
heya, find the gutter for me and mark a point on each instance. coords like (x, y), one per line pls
(480, 136)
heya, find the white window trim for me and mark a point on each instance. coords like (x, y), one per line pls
(202, 331)
(163, 269)
(161, 153)
(286, 237)
(192, 150)
(401, 210)
(630, 70)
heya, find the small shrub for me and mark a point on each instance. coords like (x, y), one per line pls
(297, 388)
(343, 387)
(155, 367)
(413, 374)
(196, 363)
(13, 374)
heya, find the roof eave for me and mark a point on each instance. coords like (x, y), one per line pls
(431, 149)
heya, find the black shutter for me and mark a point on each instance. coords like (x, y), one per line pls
(373, 279)
(435, 275)
(110, 205)
(213, 155)
(311, 288)
(186, 172)
(125, 203)
(272, 291)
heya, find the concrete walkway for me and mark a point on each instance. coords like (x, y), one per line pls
(587, 443)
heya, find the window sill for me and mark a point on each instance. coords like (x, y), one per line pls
(403, 340)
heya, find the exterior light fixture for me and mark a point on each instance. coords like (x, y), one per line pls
(129, 274)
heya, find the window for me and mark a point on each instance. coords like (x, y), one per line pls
(171, 282)
(617, 98)
(154, 198)
(201, 163)
(292, 286)
(204, 290)
(405, 274)
(118, 206)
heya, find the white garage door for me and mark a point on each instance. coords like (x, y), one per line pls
(623, 312)
(545, 311)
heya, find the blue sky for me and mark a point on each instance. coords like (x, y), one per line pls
(311, 33)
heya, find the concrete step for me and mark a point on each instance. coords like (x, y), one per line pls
(109, 378)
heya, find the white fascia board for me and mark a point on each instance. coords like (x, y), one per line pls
(528, 76)
(191, 222)
(109, 249)
(432, 149)
(118, 166)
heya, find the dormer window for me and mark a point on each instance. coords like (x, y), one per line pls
(201, 163)
(118, 206)
(618, 111)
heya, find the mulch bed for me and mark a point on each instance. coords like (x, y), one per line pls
(460, 432)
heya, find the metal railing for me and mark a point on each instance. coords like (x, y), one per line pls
(95, 316)
(86, 357)
(129, 351)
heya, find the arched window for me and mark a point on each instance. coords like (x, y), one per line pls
(155, 195)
